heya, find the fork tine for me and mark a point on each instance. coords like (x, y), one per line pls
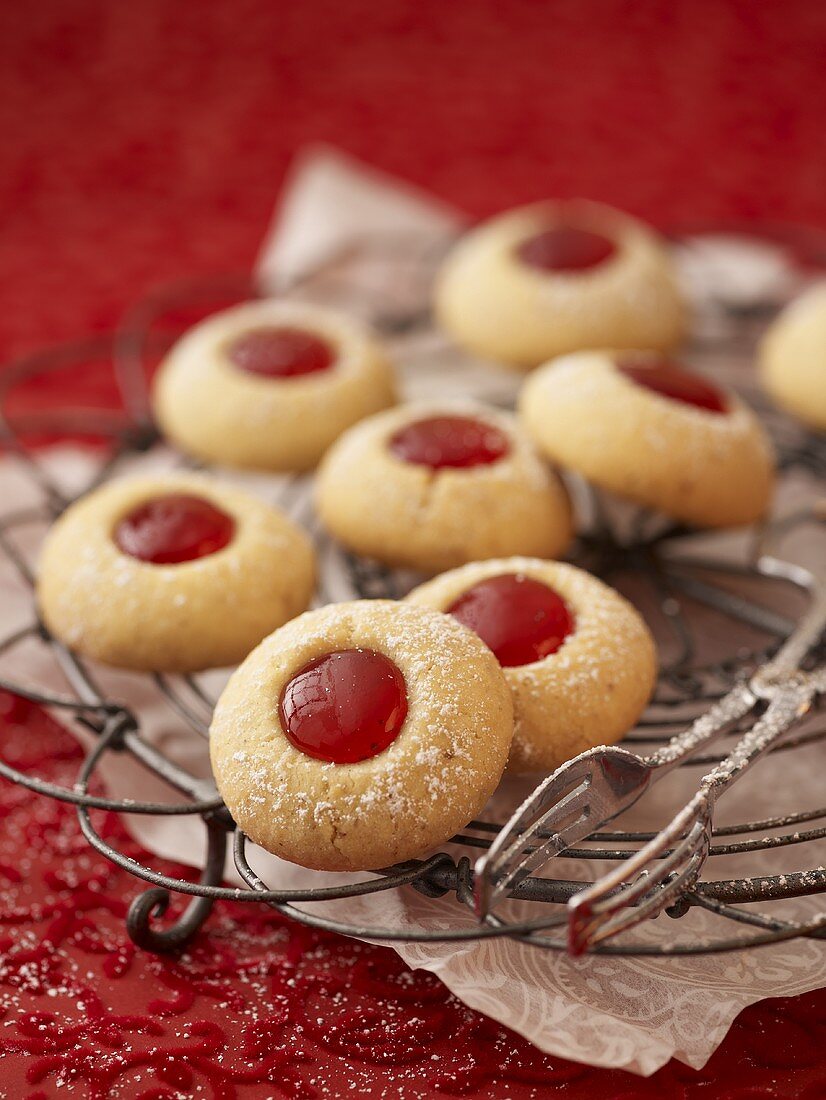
(636, 863)
(597, 907)
(549, 815)
(647, 880)
(537, 810)
(551, 804)
(569, 802)
(614, 921)
(578, 826)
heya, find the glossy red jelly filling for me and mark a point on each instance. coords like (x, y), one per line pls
(280, 352)
(673, 381)
(519, 618)
(174, 529)
(345, 706)
(449, 441)
(565, 248)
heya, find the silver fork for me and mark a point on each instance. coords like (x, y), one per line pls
(586, 793)
(652, 879)
(592, 789)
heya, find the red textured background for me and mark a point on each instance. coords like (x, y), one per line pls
(141, 141)
(144, 140)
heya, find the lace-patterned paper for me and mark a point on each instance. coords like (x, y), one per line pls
(630, 1013)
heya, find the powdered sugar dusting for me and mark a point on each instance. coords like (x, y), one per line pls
(448, 756)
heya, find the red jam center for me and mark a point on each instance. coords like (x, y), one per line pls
(173, 529)
(280, 352)
(675, 382)
(455, 441)
(519, 618)
(345, 706)
(565, 248)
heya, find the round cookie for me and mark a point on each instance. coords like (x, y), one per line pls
(793, 358)
(171, 573)
(269, 385)
(430, 487)
(578, 658)
(555, 277)
(286, 726)
(653, 432)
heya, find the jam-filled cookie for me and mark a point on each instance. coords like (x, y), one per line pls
(793, 358)
(579, 660)
(361, 734)
(430, 487)
(654, 432)
(171, 573)
(269, 385)
(556, 277)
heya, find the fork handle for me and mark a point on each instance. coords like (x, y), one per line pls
(789, 704)
(738, 702)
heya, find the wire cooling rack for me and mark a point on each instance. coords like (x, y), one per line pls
(387, 281)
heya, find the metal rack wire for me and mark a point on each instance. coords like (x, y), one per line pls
(676, 585)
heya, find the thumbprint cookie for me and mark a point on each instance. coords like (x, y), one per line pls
(269, 385)
(650, 430)
(171, 573)
(555, 277)
(361, 734)
(430, 487)
(578, 658)
(793, 358)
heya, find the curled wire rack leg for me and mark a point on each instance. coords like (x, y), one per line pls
(154, 902)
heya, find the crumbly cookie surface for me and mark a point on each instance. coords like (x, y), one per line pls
(500, 308)
(223, 415)
(706, 469)
(198, 614)
(408, 515)
(592, 690)
(793, 358)
(434, 778)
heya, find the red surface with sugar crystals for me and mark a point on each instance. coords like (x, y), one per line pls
(146, 141)
(259, 1007)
